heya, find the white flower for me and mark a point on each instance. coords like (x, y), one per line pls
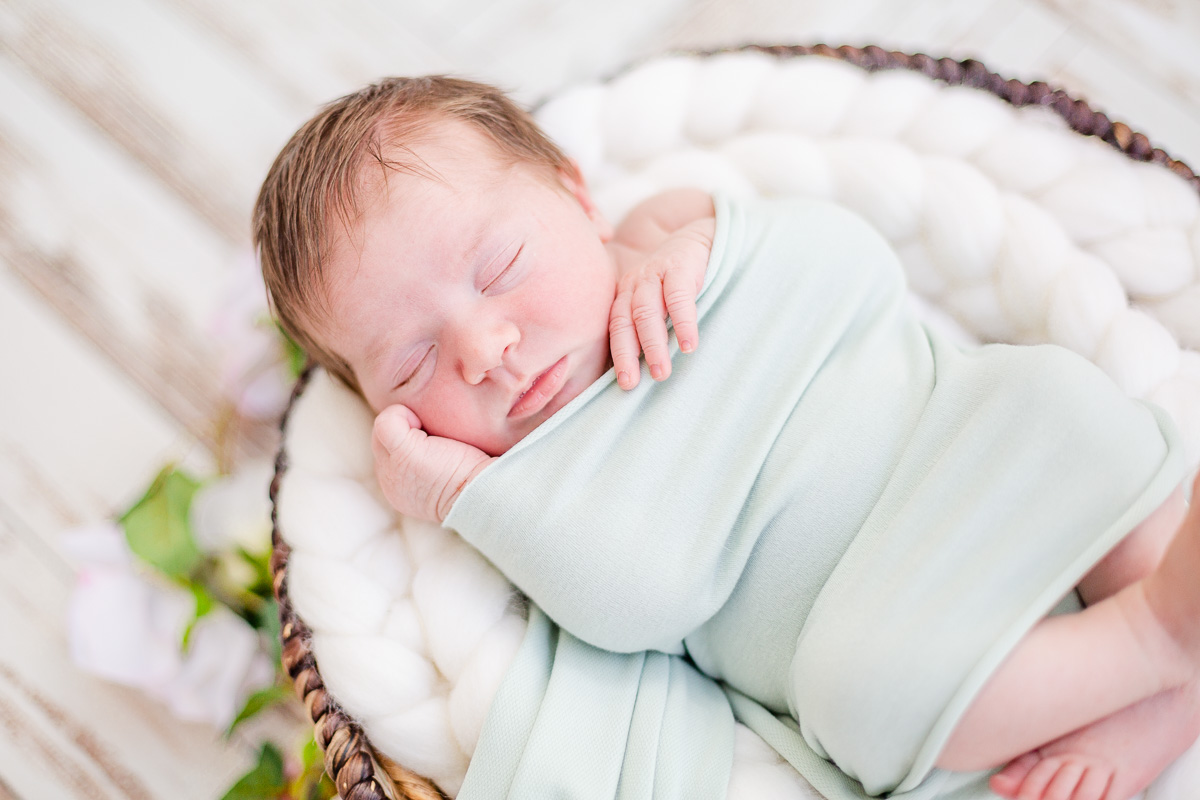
(102, 543)
(254, 376)
(126, 627)
(235, 511)
(223, 665)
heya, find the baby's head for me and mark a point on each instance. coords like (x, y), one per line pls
(429, 246)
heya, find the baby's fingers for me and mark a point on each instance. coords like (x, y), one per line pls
(679, 294)
(649, 318)
(622, 337)
(395, 425)
(421, 475)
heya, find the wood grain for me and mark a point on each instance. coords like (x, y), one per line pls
(113, 251)
(84, 68)
(133, 136)
(64, 734)
(1168, 29)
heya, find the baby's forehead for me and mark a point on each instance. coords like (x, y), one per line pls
(443, 142)
(441, 154)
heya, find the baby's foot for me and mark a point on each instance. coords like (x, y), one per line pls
(1037, 776)
(1173, 593)
(1112, 759)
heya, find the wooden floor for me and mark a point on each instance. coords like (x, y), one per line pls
(133, 135)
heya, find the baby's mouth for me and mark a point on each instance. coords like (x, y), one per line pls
(544, 387)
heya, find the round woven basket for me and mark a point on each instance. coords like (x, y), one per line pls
(357, 769)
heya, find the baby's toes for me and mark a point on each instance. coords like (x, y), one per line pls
(1007, 781)
(1062, 785)
(1094, 784)
(1038, 780)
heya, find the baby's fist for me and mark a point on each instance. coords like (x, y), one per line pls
(421, 475)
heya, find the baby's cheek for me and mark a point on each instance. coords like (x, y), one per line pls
(588, 309)
(465, 423)
(445, 413)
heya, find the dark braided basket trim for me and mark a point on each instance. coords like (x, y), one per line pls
(1077, 113)
(358, 771)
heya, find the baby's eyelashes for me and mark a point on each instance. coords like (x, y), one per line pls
(410, 374)
(507, 276)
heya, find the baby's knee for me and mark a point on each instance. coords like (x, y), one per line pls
(1138, 554)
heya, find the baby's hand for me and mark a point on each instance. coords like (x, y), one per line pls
(421, 475)
(665, 284)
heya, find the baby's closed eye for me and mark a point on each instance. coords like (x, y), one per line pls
(510, 272)
(408, 373)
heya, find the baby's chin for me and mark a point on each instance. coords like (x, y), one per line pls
(498, 443)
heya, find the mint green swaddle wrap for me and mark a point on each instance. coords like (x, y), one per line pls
(572, 721)
(844, 518)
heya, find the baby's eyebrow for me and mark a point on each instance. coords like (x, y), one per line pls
(471, 258)
(375, 352)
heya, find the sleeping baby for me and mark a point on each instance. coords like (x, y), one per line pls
(925, 557)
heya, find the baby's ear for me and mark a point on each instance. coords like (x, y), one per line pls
(572, 179)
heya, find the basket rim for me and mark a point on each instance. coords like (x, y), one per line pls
(359, 771)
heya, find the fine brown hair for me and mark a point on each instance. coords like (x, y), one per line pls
(316, 182)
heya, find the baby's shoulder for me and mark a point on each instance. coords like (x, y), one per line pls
(674, 207)
(657, 217)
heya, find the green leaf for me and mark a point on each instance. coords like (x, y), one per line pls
(261, 564)
(322, 788)
(261, 699)
(312, 783)
(205, 603)
(296, 357)
(267, 621)
(311, 756)
(157, 527)
(265, 781)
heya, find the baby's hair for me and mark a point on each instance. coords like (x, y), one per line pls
(316, 182)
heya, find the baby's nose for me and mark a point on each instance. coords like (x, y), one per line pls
(483, 349)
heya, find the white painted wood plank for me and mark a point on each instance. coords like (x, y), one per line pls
(64, 734)
(316, 51)
(183, 103)
(532, 47)
(723, 23)
(529, 46)
(119, 256)
(932, 26)
(1116, 85)
(87, 224)
(74, 194)
(1057, 41)
(1014, 37)
(1167, 29)
(936, 27)
(78, 440)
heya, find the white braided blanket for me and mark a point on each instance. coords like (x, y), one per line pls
(1007, 221)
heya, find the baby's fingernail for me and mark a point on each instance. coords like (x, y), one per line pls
(687, 346)
(656, 372)
(623, 379)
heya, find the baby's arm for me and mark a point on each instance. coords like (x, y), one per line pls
(421, 475)
(662, 249)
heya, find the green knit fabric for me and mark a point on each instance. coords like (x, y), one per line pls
(842, 517)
